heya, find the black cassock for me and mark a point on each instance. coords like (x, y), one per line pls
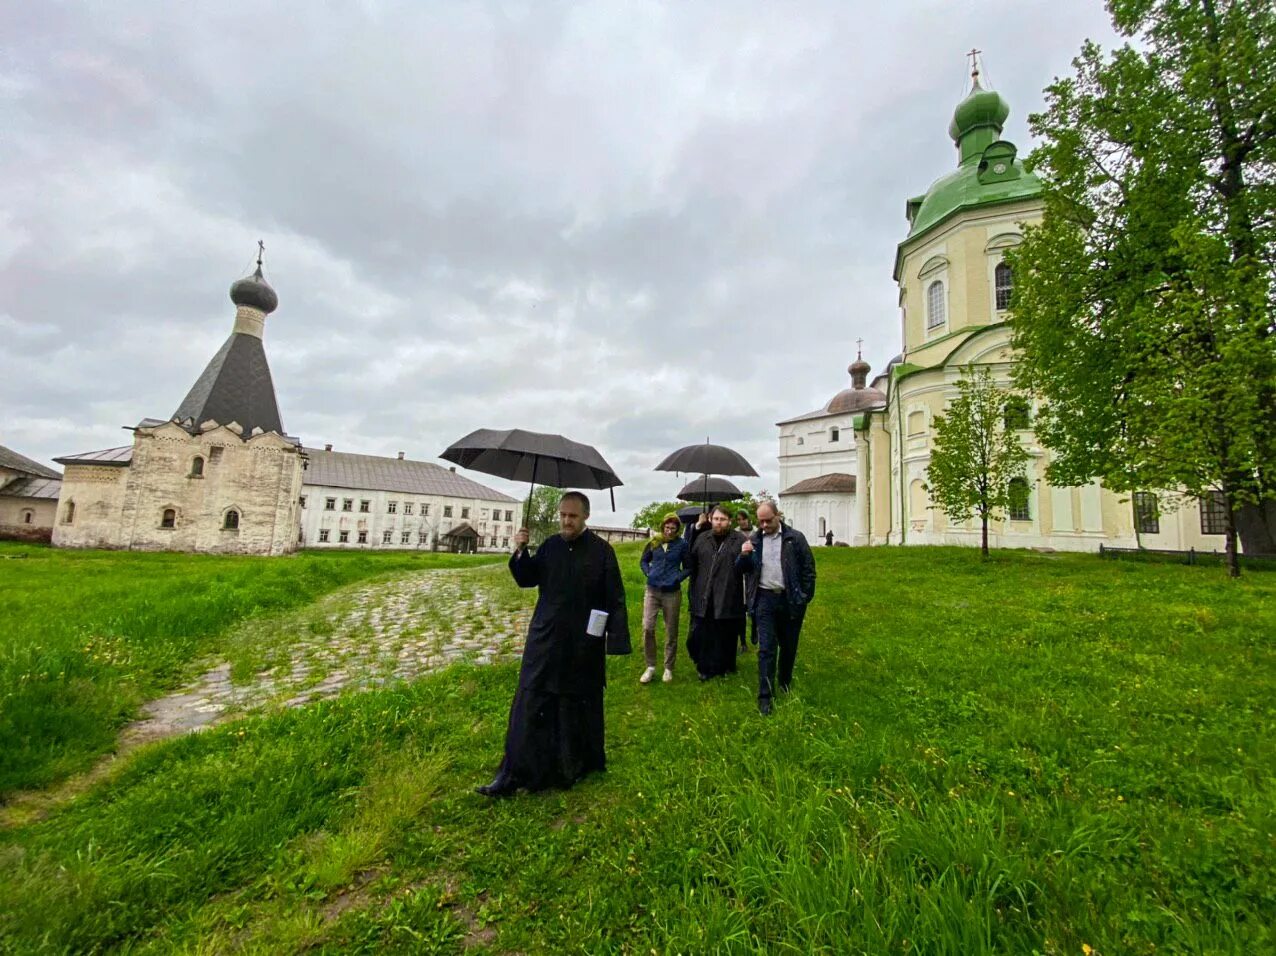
(555, 733)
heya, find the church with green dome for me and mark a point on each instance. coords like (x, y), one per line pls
(954, 294)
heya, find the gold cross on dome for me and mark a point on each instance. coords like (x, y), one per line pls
(974, 63)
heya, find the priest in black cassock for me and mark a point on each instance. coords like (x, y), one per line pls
(555, 733)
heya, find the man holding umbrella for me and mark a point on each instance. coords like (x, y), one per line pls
(555, 733)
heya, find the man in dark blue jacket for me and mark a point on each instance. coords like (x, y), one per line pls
(785, 569)
(662, 565)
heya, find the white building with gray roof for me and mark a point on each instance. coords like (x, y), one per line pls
(28, 497)
(367, 501)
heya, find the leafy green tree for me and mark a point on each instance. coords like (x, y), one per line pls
(542, 515)
(649, 517)
(975, 457)
(1144, 304)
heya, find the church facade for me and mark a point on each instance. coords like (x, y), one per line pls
(219, 475)
(954, 295)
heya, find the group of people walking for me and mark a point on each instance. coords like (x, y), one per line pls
(737, 576)
(555, 731)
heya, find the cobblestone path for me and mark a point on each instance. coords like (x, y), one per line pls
(361, 637)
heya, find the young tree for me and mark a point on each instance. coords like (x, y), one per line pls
(1144, 308)
(975, 457)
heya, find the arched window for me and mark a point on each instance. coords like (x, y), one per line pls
(1019, 510)
(28, 516)
(1004, 282)
(197, 467)
(918, 502)
(232, 520)
(935, 305)
(169, 518)
(68, 513)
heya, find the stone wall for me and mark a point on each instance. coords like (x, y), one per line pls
(88, 513)
(124, 507)
(259, 479)
(13, 514)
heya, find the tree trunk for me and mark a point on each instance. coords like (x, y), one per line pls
(1256, 528)
(983, 551)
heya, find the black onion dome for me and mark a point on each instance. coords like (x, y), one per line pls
(255, 292)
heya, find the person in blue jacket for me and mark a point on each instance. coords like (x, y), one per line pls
(663, 565)
(785, 569)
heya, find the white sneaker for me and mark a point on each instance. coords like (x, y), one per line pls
(668, 678)
(647, 676)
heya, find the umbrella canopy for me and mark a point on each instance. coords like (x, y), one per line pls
(707, 459)
(708, 489)
(533, 456)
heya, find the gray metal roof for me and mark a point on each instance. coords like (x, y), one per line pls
(118, 457)
(48, 488)
(335, 469)
(235, 387)
(11, 459)
(835, 482)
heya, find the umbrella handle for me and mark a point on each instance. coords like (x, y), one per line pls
(527, 511)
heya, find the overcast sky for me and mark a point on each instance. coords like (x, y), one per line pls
(635, 224)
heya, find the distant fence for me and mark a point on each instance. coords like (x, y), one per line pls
(1190, 556)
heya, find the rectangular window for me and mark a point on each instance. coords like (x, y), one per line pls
(406, 538)
(425, 509)
(1019, 510)
(302, 501)
(1017, 413)
(329, 504)
(363, 537)
(387, 537)
(323, 535)
(465, 512)
(407, 507)
(423, 537)
(1214, 513)
(347, 504)
(505, 542)
(343, 536)
(1147, 514)
(447, 511)
(392, 508)
(365, 505)
(215, 453)
(509, 516)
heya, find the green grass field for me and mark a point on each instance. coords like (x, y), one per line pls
(1032, 754)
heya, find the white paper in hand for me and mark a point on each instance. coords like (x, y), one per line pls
(597, 623)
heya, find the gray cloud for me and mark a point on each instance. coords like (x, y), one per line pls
(637, 224)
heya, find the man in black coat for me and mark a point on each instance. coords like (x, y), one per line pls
(555, 733)
(716, 594)
(785, 569)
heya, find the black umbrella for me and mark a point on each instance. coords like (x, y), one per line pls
(708, 490)
(709, 460)
(533, 456)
